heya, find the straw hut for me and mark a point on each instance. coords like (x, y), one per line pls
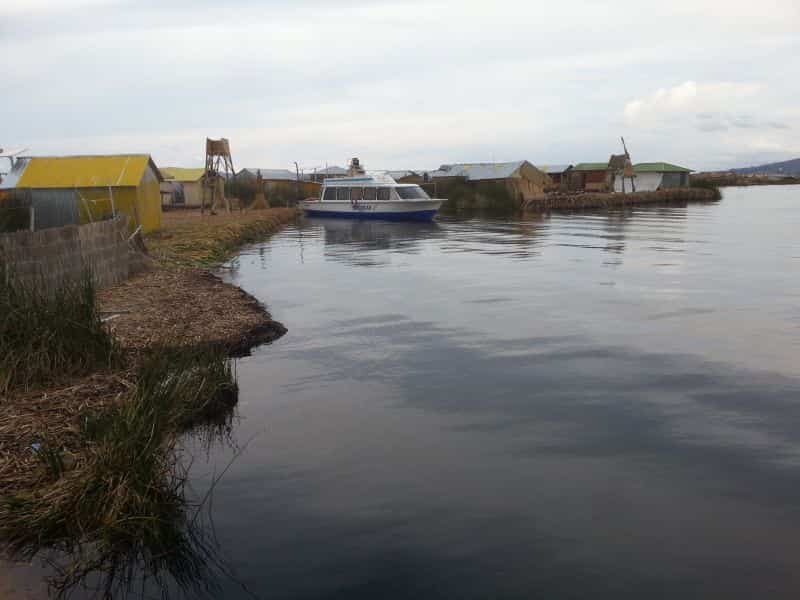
(558, 174)
(520, 179)
(591, 177)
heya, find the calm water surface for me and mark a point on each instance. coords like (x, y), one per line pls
(600, 405)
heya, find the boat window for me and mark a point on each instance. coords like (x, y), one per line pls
(330, 194)
(355, 194)
(411, 192)
(384, 193)
(370, 193)
(343, 193)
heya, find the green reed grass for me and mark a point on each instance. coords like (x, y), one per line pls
(122, 511)
(49, 333)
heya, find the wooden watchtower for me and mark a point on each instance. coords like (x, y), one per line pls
(218, 169)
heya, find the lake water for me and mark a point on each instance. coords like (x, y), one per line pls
(600, 405)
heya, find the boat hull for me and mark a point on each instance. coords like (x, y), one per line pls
(385, 211)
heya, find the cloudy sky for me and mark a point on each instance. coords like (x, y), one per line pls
(403, 84)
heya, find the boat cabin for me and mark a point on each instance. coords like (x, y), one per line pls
(370, 189)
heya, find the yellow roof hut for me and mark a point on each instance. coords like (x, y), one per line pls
(184, 187)
(80, 189)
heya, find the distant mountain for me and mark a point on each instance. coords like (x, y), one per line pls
(788, 167)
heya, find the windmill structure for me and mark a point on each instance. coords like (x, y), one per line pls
(623, 167)
(219, 168)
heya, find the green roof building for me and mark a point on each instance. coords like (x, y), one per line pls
(659, 167)
(653, 176)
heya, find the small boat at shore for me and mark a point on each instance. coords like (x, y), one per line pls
(366, 196)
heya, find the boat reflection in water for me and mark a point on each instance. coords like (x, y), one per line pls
(372, 239)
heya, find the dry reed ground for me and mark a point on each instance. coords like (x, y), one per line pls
(168, 308)
(189, 239)
(174, 304)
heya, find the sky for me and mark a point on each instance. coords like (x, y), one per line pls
(411, 84)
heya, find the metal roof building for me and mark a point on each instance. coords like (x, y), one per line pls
(653, 176)
(398, 175)
(78, 189)
(334, 170)
(554, 169)
(183, 187)
(481, 171)
(181, 174)
(659, 167)
(320, 175)
(559, 174)
(591, 166)
(268, 174)
(494, 184)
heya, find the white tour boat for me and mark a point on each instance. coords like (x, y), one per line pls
(364, 196)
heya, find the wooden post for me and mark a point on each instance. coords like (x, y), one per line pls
(296, 185)
(113, 208)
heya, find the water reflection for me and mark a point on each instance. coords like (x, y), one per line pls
(371, 243)
(577, 405)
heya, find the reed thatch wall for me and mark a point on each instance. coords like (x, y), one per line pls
(52, 257)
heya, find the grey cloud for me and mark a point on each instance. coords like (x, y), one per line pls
(743, 121)
(711, 126)
(710, 122)
(713, 122)
(142, 73)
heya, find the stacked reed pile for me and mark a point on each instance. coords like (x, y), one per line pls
(592, 200)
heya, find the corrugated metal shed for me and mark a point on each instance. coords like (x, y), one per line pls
(659, 167)
(124, 170)
(554, 169)
(479, 171)
(331, 171)
(70, 189)
(400, 174)
(644, 182)
(56, 208)
(271, 174)
(594, 166)
(11, 179)
(182, 175)
(278, 175)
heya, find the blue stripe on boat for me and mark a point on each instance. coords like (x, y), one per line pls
(417, 215)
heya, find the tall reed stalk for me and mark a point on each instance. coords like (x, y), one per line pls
(49, 333)
(122, 514)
